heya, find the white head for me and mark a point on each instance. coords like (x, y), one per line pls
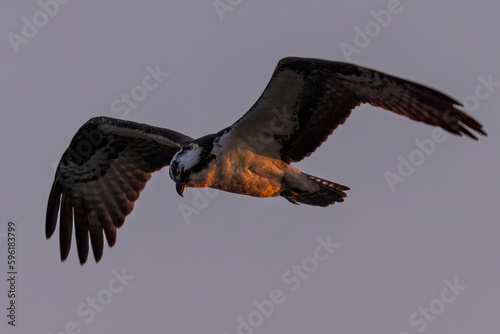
(182, 164)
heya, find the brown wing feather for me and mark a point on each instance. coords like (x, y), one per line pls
(99, 178)
(310, 98)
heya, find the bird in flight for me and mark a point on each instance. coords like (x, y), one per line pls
(109, 161)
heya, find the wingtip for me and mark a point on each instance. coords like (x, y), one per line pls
(52, 209)
(48, 232)
(481, 131)
(82, 257)
(63, 256)
(97, 241)
(469, 134)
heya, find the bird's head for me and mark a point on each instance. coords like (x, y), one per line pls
(187, 165)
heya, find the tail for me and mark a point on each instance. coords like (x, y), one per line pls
(327, 194)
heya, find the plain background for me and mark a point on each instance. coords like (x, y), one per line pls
(397, 247)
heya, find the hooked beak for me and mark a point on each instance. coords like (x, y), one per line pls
(180, 188)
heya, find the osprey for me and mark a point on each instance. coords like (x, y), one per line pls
(109, 161)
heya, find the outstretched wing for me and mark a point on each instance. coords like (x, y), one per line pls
(306, 99)
(100, 176)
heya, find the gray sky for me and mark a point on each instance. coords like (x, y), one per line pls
(397, 251)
